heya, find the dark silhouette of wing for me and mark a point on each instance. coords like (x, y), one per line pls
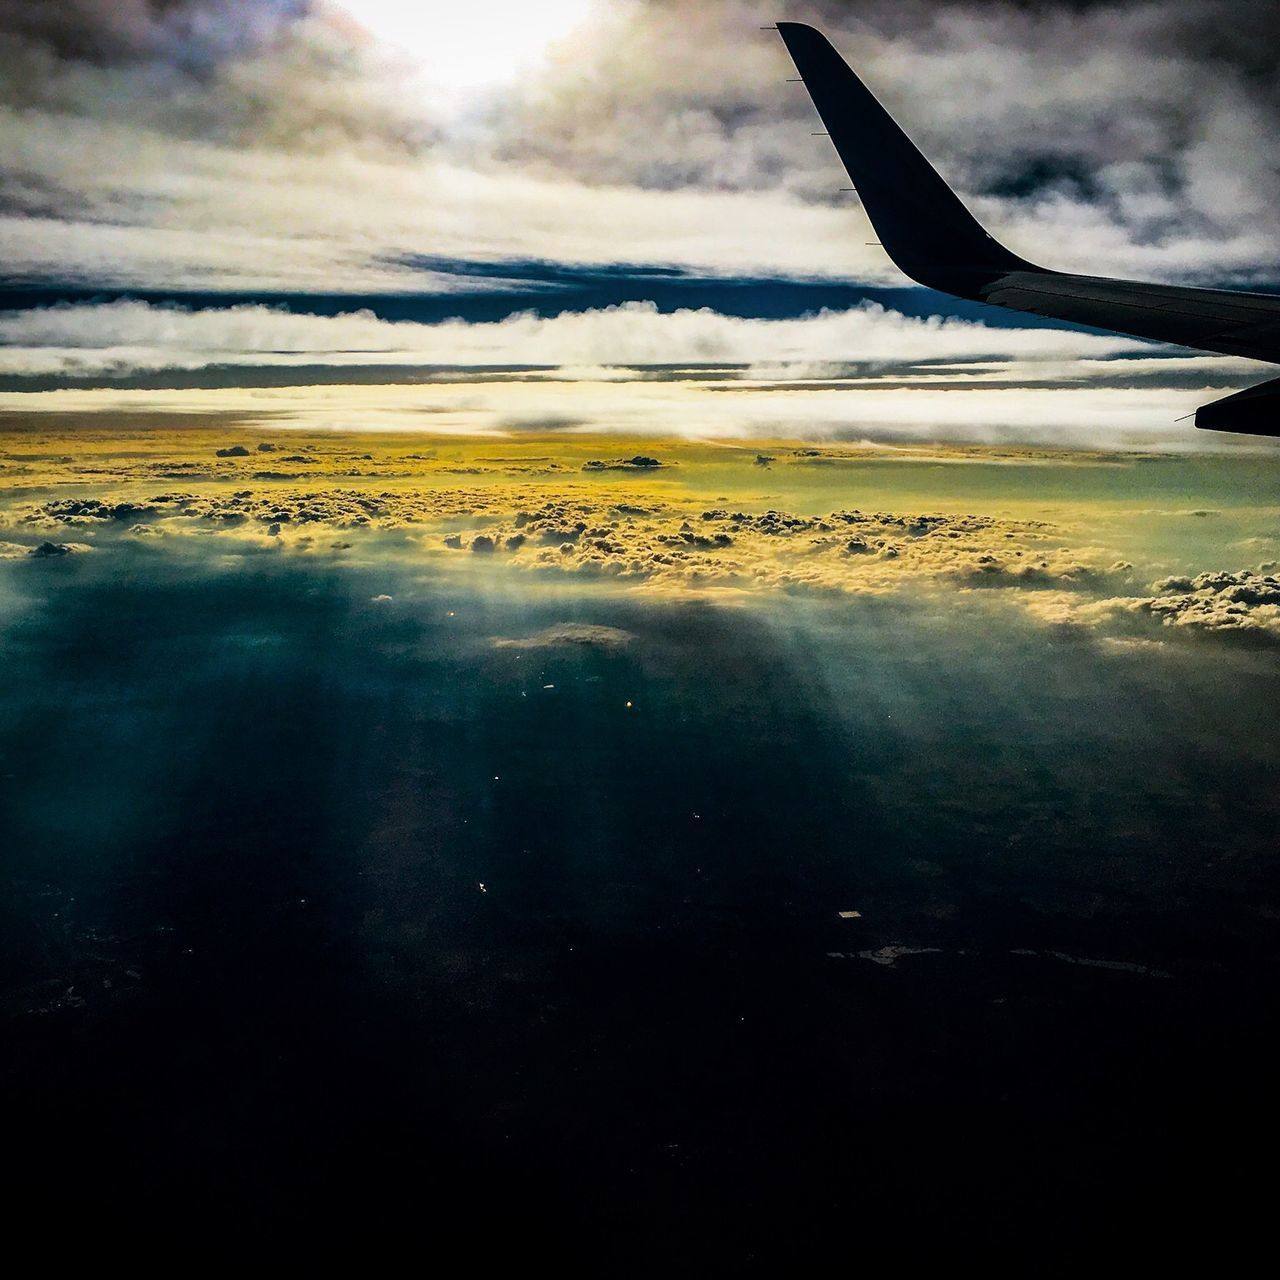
(935, 240)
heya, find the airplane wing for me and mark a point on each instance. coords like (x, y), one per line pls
(935, 240)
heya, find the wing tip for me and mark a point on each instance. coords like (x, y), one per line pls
(1255, 411)
(801, 32)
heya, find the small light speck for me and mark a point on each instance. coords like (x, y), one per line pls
(482, 888)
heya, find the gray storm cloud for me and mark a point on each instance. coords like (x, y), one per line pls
(1135, 133)
(185, 32)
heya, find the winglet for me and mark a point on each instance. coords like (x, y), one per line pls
(921, 223)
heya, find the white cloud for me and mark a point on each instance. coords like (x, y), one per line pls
(128, 336)
(253, 150)
(183, 214)
(865, 371)
(1083, 415)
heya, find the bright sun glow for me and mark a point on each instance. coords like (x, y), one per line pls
(469, 44)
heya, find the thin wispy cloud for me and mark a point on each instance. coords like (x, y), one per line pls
(130, 336)
(865, 371)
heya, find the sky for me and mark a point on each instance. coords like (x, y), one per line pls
(316, 202)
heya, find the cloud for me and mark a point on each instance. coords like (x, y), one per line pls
(55, 550)
(638, 462)
(128, 336)
(664, 540)
(866, 371)
(1242, 602)
(569, 634)
(528, 508)
(671, 546)
(269, 144)
(1101, 153)
(182, 214)
(192, 34)
(1094, 416)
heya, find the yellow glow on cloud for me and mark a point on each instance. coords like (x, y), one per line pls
(472, 45)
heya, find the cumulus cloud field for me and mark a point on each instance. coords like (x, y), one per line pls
(1123, 544)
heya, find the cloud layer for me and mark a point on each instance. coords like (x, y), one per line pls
(128, 336)
(866, 371)
(551, 509)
